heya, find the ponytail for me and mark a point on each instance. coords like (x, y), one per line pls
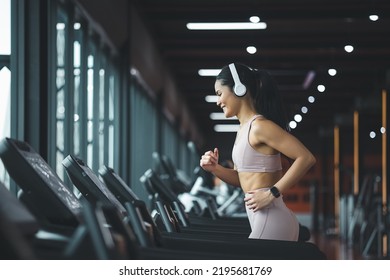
(267, 99)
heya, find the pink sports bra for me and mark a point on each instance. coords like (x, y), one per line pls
(247, 159)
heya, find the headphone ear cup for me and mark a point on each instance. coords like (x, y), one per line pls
(240, 89)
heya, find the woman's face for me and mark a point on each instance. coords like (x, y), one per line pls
(227, 100)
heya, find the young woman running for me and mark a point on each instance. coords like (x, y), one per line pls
(251, 95)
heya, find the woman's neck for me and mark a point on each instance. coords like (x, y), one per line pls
(244, 117)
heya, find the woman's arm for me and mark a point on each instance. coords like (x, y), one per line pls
(267, 132)
(209, 162)
(290, 146)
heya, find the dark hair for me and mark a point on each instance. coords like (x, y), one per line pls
(263, 90)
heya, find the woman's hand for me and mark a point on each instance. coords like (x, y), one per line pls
(258, 199)
(209, 160)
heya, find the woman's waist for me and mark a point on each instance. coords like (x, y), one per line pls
(276, 202)
(255, 181)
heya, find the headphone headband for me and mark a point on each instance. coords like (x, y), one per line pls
(239, 88)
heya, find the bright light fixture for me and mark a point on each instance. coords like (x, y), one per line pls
(348, 48)
(321, 88)
(208, 72)
(304, 109)
(220, 116)
(226, 25)
(77, 26)
(293, 124)
(251, 50)
(332, 72)
(254, 19)
(311, 99)
(60, 26)
(298, 118)
(373, 17)
(211, 98)
(226, 127)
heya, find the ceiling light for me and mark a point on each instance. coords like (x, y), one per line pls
(77, 26)
(383, 130)
(226, 127)
(251, 50)
(311, 99)
(348, 48)
(332, 72)
(321, 88)
(254, 19)
(372, 134)
(292, 124)
(60, 26)
(225, 25)
(373, 17)
(211, 98)
(304, 109)
(220, 116)
(298, 118)
(208, 72)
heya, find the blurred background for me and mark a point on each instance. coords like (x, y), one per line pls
(114, 81)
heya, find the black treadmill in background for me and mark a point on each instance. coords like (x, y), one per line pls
(99, 196)
(17, 228)
(56, 209)
(83, 178)
(44, 193)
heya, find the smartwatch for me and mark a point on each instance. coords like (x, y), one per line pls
(275, 192)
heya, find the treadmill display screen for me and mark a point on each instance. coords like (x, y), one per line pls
(53, 181)
(88, 183)
(43, 189)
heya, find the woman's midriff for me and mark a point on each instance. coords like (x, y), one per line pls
(251, 181)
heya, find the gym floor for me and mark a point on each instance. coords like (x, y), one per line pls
(337, 249)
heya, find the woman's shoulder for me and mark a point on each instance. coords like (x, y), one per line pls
(263, 127)
(260, 121)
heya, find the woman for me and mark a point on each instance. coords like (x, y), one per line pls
(251, 95)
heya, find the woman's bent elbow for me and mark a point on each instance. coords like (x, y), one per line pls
(311, 160)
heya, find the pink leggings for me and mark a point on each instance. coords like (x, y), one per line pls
(276, 221)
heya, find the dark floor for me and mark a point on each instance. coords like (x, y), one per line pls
(338, 249)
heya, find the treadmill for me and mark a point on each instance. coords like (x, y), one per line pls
(55, 208)
(17, 228)
(271, 249)
(99, 196)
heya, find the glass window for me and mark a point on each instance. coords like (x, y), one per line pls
(5, 115)
(143, 136)
(170, 141)
(77, 107)
(111, 119)
(5, 27)
(5, 79)
(90, 86)
(101, 129)
(60, 98)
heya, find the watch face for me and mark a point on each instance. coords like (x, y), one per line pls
(275, 192)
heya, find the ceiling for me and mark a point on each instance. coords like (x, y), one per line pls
(302, 36)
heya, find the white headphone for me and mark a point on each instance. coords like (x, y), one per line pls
(239, 88)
